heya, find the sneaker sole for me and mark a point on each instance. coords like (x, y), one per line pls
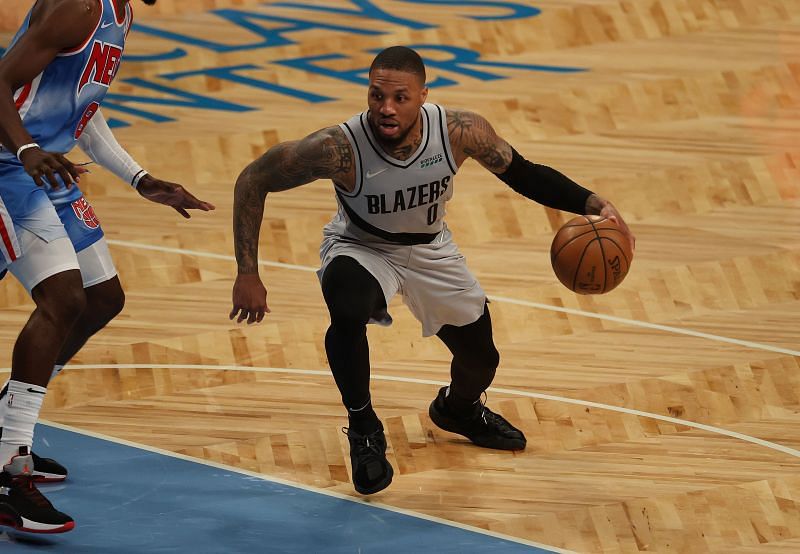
(39, 477)
(43, 528)
(501, 444)
(379, 487)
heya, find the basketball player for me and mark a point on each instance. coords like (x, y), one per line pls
(52, 80)
(392, 168)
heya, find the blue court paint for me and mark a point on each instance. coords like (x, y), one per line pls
(127, 500)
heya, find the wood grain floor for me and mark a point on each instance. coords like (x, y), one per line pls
(643, 424)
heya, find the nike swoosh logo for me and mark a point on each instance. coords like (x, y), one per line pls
(371, 174)
(105, 25)
(34, 390)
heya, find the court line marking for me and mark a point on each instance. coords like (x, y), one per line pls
(513, 392)
(202, 254)
(379, 377)
(308, 488)
(493, 298)
(501, 299)
(648, 325)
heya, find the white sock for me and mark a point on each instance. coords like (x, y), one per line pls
(22, 405)
(3, 404)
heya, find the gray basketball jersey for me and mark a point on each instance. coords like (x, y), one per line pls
(401, 201)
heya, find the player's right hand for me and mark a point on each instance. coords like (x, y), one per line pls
(43, 166)
(249, 299)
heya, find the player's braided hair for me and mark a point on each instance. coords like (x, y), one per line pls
(399, 58)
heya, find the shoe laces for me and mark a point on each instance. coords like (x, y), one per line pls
(492, 419)
(489, 418)
(369, 444)
(24, 483)
(484, 413)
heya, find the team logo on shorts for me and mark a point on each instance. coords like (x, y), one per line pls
(84, 211)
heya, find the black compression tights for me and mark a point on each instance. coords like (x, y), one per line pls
(353, 295)
(475, 358)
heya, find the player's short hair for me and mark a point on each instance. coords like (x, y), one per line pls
(400, 58)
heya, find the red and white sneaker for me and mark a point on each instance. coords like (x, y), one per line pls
(22, 506)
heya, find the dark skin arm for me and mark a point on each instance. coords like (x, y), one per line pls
(472, 136)
(155, 190)
(172, 195)
(74, 20)
(325, 154)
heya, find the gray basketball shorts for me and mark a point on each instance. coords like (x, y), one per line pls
(433, 279)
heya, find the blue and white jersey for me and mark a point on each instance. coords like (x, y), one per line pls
(56, 106)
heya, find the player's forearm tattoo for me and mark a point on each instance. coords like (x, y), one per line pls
(248, 211)
(477, 139)
(325, 154)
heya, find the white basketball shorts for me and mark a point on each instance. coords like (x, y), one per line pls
(433, 278)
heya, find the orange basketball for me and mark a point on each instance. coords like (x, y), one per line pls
(590, 254)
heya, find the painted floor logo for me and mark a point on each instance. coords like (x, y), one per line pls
(147, 99)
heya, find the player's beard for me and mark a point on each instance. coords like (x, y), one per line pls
(390, 141)
(397, 139)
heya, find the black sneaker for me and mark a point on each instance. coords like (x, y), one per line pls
(22, 506)
(483, 427)
(372, 472)
(45, 470)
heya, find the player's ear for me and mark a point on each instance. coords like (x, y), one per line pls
(423, 95)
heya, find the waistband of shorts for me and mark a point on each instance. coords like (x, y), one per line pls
(404, 239)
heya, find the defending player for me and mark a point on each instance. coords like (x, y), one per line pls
(52, 80)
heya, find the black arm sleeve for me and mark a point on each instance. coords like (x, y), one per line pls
(544, 185)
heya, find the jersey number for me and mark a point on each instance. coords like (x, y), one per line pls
(433, 211)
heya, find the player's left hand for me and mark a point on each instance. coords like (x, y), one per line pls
(171, 194)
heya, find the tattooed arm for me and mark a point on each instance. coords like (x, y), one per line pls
(325, 154)
(471, 136)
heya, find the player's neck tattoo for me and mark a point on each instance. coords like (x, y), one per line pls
(405, 150)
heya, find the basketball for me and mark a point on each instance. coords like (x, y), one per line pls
(590, 255)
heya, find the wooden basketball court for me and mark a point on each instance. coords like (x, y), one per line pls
(660, 417)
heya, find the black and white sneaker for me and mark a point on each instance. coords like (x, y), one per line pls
(22, 506)
(47, 470)
(372, 472)
(483, 427)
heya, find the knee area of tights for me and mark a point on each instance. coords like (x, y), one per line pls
(349, 312)
(349, 319)
(484, 361)
(493, 358)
